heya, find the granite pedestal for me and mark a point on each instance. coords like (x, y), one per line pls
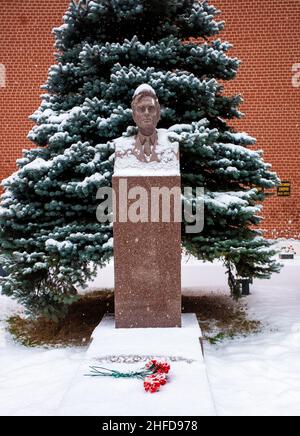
(147, 262)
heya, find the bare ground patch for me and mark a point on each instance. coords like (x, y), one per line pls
(219, 316)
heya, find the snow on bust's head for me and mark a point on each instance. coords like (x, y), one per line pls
(144, 88)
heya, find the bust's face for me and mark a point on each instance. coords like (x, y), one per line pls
(145, 115)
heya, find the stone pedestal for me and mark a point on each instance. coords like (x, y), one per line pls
(147, 259)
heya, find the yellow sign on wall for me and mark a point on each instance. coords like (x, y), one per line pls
(284, 190)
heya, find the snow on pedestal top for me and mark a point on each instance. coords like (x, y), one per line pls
(127, 164)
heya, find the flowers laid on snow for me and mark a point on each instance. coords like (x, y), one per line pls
(154, 381)
(155, 374)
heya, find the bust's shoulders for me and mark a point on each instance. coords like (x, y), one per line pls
(162, 135)
(125, 142)
(161, 132)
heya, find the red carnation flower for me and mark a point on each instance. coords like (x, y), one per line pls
(159, 366)
(151, 384)
(151, 363)
(162, 378)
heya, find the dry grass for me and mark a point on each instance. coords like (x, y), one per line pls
(75, 329)
(219, 316)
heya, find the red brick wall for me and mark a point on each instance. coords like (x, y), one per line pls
(266, 37)
(26, 51)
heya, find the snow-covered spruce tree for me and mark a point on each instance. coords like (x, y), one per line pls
(50, 238)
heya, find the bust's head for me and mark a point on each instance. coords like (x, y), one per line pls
(146, 109)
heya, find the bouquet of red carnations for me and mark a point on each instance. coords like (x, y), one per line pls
(154, 374)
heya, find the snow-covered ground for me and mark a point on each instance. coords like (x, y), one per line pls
(257, 375)
(260, 374)
(32, 381)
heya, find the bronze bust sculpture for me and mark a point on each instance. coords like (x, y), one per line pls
(146, 114)
(150, 151)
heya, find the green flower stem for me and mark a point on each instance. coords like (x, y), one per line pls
(141, 374)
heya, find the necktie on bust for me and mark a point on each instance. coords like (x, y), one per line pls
(147, 147)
